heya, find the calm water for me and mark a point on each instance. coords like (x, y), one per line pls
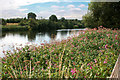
(11, 40)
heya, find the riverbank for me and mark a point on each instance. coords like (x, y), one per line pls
(90, 55)
(14, 28)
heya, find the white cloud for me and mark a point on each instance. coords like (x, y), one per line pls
(7, 4)
(82, 5)
(13, 13)
(54, 6)
(23, 9)
(70, 6)
(73, 13)
(14, 5)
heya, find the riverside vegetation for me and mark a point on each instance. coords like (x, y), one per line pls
(92, 54)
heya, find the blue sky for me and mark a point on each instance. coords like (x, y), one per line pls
(70, 9)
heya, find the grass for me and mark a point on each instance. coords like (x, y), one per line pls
(13, 28)
(92, 54)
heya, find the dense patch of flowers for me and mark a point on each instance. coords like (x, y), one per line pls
(92, 54)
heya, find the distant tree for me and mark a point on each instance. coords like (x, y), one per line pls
(31, 15)
(53, 18)
(62, 19)
(4, 22)
(33, 24)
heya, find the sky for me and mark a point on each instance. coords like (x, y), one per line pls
(70, 9)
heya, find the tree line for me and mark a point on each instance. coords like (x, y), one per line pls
(52, 23)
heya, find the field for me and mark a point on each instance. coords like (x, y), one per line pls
(92, 54)
(12, 24)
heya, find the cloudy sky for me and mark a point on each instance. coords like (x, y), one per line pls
(70, 9)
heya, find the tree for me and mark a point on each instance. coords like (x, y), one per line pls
(4, 22)
(103, 13)
(31, 15)
(53, 18)
(62, 19)
(33, 24)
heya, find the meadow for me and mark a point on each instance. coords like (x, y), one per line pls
(92, 54)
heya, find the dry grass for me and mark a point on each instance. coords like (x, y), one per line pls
(12, 24)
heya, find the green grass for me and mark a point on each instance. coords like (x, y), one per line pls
(92, 54)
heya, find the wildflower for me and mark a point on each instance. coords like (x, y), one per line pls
(95, 60)
(73, 63)
(105, 62)
(5, 72)
(71, 57)
(25, 69)
(88, 64)
(31, 58)
(106, 46)
(73, 71)
(42, 43)
(3, 62)
(90, 67)
(101, 26)
(116, 35)
(33, 68)
(21, 72)
(48, 67)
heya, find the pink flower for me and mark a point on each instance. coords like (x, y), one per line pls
(33, 68)
(105, 62)
(3, 62)
(88, 64)
(106, 46)
(73, 71)
(21, 72)
(90, 67)
(95, 60)
(42, 43)
(48, 67)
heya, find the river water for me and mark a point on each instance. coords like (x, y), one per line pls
(11, 40)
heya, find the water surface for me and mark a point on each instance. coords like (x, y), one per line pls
(11, 40)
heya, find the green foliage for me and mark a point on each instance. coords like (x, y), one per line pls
(33, 24)
(23, 23)
(14, 20)
(31, 15)
(62, 19)
(92, 54)
(14, 28)
(53, 18)
(2, 21)
(103, 13)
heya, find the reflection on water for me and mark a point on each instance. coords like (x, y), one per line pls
(10, 40)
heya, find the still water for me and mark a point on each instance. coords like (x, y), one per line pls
(11, 40)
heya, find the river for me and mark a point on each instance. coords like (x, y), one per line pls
(11, 40)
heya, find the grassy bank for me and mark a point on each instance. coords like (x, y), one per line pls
(92, 54)
(14, 28)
